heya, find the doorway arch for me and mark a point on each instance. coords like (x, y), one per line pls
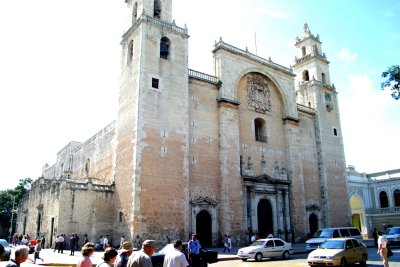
(204, 228)
(313, 223)
(265, 219)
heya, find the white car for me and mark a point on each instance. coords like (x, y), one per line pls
(266, 248)
(393, 235)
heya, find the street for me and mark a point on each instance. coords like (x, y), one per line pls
(296, 260)
(300, 260)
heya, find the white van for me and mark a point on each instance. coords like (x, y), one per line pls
(322, 235)
(393, 235)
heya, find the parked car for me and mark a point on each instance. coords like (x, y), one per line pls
(323, 234)
(266, 248)
(7, 249)
(339, 252)
(393, 235)
(206, 256)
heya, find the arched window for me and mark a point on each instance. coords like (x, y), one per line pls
(157, 9)
(383, 199)
(306, 76)
(323, 78)
(130, 52)
(164, 47)
(315, 49)
(396, 197)
(121, 216)
(134, 12)
(260, 130)
(87, 167)
(303, 51)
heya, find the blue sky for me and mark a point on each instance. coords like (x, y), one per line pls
(60, 65)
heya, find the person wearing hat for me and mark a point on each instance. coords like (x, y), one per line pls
(142, 257)
(124, 253)
(194, 251)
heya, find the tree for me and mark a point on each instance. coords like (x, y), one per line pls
(393, 80)
(7, 197)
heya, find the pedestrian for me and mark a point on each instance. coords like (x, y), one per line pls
(86, 251)
(124, 253)
(72, 244)
(375, 236)
(253, 238)
(56, 243)
(176, 258)
(43, 240)
(142, 257)
(110, 254)
(270, 235)
(61, 244)
(86, 240)
(194, 251)
(38, 248)
(106, 242)
(21, 254)
(382, 249)
(138, 242)
(121, 242)
(227, 243)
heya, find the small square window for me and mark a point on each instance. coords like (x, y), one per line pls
(154, 83)
(334, 131)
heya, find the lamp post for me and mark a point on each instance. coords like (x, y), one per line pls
(12, 218)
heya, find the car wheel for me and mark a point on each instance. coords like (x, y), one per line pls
(258, 257)
(363, 261)
(244, 259)
(343, 263)
(286, 254)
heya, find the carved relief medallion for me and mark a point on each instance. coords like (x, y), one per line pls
(258, 94)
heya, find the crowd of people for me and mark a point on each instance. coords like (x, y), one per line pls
(127, 254)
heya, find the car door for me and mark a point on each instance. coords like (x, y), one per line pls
(279, 247)
(350, 253)
(269, 249)
(358, 250)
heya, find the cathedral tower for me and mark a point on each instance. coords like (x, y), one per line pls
(314, 90)
(151, 156)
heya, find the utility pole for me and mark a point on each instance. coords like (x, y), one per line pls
(12, 218)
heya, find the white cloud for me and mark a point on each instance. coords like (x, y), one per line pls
(346, 56)
(367, 115)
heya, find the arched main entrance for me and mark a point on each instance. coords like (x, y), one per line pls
(313, 223)
(265, 221)
(203, 228)
(357, 213)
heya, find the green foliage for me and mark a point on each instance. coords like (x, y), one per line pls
(393, 80)
(7, 198)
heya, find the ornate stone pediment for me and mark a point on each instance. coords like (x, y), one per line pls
(258, 93)
(313, 207)
(203, 201)
(266, 179)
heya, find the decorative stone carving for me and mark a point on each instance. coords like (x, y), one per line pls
(204, 202)
(258, 94)
(313, 207)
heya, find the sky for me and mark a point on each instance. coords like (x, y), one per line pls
(60, 63)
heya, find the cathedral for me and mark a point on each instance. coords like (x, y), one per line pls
(255, 148)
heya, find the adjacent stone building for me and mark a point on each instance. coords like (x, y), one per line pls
(255, 148)
(374, 199)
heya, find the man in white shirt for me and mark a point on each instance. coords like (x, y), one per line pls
(105, 242)
(176, 258)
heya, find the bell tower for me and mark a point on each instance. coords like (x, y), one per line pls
(152, 144)
(314, 90)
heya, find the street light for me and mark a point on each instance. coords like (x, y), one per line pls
(12, 218)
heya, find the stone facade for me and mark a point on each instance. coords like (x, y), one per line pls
(257, 148)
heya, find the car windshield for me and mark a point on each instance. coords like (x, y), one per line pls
(3, 243)
(392, 231)
(333, 244)
(257, 244)
(326, 233)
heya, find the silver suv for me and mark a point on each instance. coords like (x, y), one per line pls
(393, 235)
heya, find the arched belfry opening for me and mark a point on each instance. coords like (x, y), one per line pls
(130, 52)
(303, 51)
(306, 76)
(204, 228)
(260, 130)
(164, 47)
(157, 9)
(265, 219)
